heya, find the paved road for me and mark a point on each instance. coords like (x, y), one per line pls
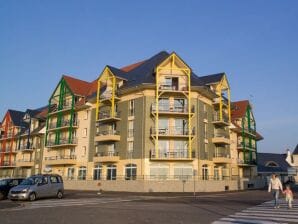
(88, 207)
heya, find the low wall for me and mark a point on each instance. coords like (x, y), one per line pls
(163, 186)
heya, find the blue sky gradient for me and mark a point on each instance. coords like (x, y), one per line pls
(254, 42)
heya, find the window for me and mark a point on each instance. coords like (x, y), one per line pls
(130, 129)
(131, 172)
(86, 115)
(53, 179)
(205, 131)
(159, 171)
(97, 172)
(216, 173)
(84, 150)
(183, 172)
(130, 146)
(272, 164)
(163, 104)
(70, 173)
(131, 111)
(180, 105)
(84, 132)
(82, 173)
(111, 172)
(205, 173)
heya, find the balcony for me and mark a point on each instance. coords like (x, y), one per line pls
(63, 142)
(250, 131)
(169, 109)
(30, 148)
(54, 109)
(109, 135)
(8, 150)
(221, 138)
(9, 135)
(222, 158)
(60, 160)
(106, 116)
(246, 146)
(171, 154)
(224, 102)
(172, 131)
(7, 164)
(107, 96)
(224, 121)
(64, 124)
(242, 162)
(172, 87)
(110, 156)
(25, 163)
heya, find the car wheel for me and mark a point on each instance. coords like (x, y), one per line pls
(32, 196)
(1, 196)
(59, 194)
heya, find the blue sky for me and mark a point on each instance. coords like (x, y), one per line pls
(254, 42)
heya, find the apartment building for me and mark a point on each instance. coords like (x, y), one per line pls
(244, 137)
(154, 120)
(21, 142)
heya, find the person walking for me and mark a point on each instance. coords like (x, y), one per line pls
(289, 196)
(274, 187)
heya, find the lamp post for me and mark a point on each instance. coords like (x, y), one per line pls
(194, 182)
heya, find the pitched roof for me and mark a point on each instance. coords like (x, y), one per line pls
(296, 150)
(17, 117)
(213, 78)
(265, 158)
(128, 68)
(239, 109)
(78, 87)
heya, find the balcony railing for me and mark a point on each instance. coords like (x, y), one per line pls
(64, 141)
(171, 154)
(8, 164)
(171, 108)
(106, 154)
(64, 123)
(172, 131)
(221, 155)
(107, 132)
(9, 135)
(223, 100)
(246, 145)
(108, 114)
(216, 118)
(65, 106)
(221, 135)
(171, 87)
(60, 157)
(25, 160)
(107, 95)
(247, 162)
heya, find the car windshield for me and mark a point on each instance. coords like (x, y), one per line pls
(30, 181)
(3, 182)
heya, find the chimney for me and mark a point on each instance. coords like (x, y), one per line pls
(289, 157)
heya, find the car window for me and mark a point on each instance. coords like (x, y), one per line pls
(3, 182)
(14, 182)
(54, 179)
(44, 180)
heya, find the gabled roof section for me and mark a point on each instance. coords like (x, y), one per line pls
(77, 86)
(211, 79)
(144, 73)
(117, 72)
(128, 68)
(17, 117)
(239, 109)
(296, 150)
(265, 158)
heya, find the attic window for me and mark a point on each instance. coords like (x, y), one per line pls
(272, 164)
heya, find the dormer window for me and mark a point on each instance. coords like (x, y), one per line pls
(272, 164)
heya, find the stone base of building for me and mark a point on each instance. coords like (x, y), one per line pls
(165, 186)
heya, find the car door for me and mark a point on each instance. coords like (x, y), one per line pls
(54, 185)
(42, 187)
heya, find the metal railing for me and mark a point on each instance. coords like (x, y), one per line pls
(221, 134)
(108, 132)
(7, 163)
(106, 95)
(70, 157)
(64, 123)
(63, 141)
(171, 154)
(221, 155)
(25, 160)
(108, 114)
(106, 154)
(172, 87)
(171, 108)
(172, 130)
(249, 162)
(216, 118)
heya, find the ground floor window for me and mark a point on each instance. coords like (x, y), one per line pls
(216, 173)
(70, 173)
(159, 171)
(111, 172)
(183, 171)
(97, 172)
(82, 173)
(131, 172)
(205, 174)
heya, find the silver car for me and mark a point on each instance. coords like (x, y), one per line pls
(38, 186)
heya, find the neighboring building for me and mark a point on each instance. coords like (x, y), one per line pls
(21, 143)
(68, 129)
(244, 139)
(269, 163)
(292, 159)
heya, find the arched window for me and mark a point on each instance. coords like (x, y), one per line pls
(97, 171)
(82, 173)
(205, 172)
(131, 172)
(111, 172)
(272, 164)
